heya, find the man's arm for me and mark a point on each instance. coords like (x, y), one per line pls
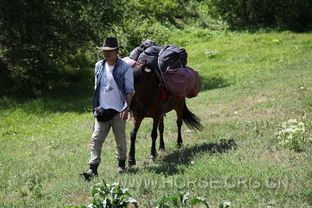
(129, 81)
(129, 85)
(124, 114)
(129, 99)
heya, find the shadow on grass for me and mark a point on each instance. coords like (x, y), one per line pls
(77, 98)
(73, 97)
(169, 164)
(213, 82)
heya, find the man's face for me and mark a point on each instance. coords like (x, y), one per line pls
(110, 55)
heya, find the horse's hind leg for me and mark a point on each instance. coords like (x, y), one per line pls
(137, 123)
(179, 140)
(161, 134)
(154, 137)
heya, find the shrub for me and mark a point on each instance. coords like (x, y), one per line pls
(287, 14)
(133, 32)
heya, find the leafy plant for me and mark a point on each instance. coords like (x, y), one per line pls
(181, 200)
(225, 205)
(115, 196)
(292, 135)
(33, 187)
(111, 196)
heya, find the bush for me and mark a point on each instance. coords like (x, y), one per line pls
(286, 14)
(133, 32)
(158, 10)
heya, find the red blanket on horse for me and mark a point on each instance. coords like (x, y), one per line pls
(182, 82)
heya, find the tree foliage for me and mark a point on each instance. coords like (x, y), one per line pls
(286, 14)
(160, 10)
(38, 37)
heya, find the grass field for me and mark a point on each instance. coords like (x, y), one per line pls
(251, 84)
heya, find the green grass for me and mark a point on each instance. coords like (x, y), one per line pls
(251, 83)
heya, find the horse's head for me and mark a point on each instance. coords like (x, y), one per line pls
(145, 84)
(143, 75)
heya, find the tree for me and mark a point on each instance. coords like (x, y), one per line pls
(286, 14)
(37, 36)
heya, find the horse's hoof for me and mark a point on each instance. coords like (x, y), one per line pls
(161, 150)
(153, 158)
(179, 145)
(131, 163)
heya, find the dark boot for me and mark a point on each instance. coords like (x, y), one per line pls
(91, 173)
(121, 166)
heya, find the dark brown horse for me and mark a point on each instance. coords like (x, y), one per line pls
(148, 102)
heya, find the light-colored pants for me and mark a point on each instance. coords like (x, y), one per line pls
(100, 132)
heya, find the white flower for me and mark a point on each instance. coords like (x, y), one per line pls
(290, 137)
(291, 133)
(226, 204)
(292, 121)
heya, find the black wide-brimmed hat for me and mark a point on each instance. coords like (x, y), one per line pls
(110, 43)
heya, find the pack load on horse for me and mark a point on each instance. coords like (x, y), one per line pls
(171, 74)
(172, 57)
(170, 64)
(150, 56)
(135, 53)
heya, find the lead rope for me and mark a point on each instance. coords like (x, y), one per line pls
(162, 83)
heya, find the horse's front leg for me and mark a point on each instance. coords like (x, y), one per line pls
(154, 137)
(137, 123)
(161, 134)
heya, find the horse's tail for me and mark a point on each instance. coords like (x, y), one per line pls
(190, 119)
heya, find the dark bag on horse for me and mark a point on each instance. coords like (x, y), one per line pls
(104, 115)
(182, 82)
(150, 57)
(172, 57)
(148, 43)
(135, 53)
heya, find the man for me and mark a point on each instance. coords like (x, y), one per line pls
(113, 93)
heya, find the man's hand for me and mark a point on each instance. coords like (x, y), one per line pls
(124, 114)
